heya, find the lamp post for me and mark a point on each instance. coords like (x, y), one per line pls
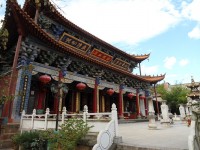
(56, 89)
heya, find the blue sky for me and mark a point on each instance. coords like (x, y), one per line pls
(167, 29)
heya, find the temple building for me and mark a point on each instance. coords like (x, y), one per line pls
(51, 62)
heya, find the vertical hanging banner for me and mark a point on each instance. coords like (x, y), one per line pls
(23, 93)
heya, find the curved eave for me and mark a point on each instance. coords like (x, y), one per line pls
(140, 58)
(154, 79)
(57, 16)
(34, 29)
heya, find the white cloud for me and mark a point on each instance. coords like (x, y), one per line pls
(192, 11)
(169, 62)
(129, 21)
(195, 33)
(149, 70)
(183, 62)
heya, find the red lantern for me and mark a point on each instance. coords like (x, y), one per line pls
(142, 97)
(45, 79)
(81, 86)
(110, 92)
(130, 95)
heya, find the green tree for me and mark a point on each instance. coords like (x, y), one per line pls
(174, 96)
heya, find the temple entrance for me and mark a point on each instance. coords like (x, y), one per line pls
(130, 108)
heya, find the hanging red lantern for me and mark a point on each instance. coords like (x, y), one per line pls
(130, 95)
(110, 92)
(142, 97)
(81, 86)
(45, 79)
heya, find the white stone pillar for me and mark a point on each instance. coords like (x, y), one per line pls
(189, 105)
(182, 112)
(165, 115)
(152, 122)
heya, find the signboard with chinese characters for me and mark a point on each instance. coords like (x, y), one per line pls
(68, 40)
(101, 55)
(121, 63)
(24, 93)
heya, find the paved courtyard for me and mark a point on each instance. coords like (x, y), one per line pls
(138, 134)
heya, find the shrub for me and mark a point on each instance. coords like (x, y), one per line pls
(32, 140)
(65, 139)
(69, 134)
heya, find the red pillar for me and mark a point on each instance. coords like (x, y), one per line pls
(137, 102)
(41, 98)
(95, 96)
(156, 99)
(73, 106)
(7, 111)
(120, 101)
(55, 104)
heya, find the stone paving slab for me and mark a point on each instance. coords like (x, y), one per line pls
(137, 134)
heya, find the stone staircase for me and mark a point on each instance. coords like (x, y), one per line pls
(123, 146)
(7, 131)
(88, 141)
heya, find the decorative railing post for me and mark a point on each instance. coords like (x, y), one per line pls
(85, 111)
(32, 119)
(114, 117)
(64, 112)
(22, 116)
(46, 117)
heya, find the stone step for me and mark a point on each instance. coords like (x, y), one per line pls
(7, 131)
(6, 136)
(6, 144)
(10, 128)
(135, 147)
(89, 140)
(83, 147)
(91, 135)
(122, 121)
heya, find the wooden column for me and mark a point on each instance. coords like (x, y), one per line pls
(120, 101)
(41, 97)
(145, 106)
(156, 99)
(103, 103)
(138, 103)
(55, 104)
(96, 96)
(60, 100)
(78, 101)
(73, 101)
(7, 111)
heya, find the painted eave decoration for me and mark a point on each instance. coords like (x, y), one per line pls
(121, 63)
